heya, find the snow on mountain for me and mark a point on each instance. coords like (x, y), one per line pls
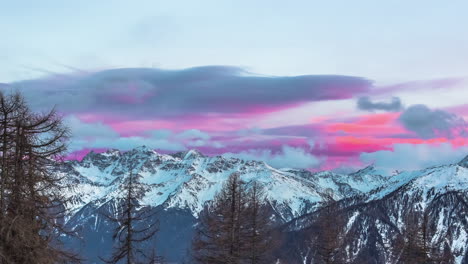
(188, 179)
(377, 219)
(185, 181)
(438, 179)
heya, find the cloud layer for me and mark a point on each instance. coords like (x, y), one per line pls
(365, 103)
(415, 156)
(287, 157)
(201, 90)
(306, 121)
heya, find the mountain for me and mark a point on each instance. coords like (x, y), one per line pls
(464, 162)
(186, 180)
(377, 221)
(178, 185)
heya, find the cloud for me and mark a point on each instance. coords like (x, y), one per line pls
(160, 133)
(250, 131)
(193, 134)
(288, 157)
(125, 143)
(365, 103)
(149, 92)
(415, 156)
(421, 85)
(429, 123)
(83, 130)
(100, 136)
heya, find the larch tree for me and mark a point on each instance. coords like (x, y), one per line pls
(217, 238)
(258, 237)
(135, 225)
(32, 207)
(415, 244)
(233, 229)
(329, 226)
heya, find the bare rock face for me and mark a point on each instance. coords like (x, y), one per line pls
(464, 162)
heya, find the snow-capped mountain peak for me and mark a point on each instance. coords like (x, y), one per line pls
(185, 181)
(192, 154)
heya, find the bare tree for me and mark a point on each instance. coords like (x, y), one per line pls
(31, 204)
(128, 234)
(234, 228)
(329, 227)
(415, 245)
(258, 237)
(218, 235)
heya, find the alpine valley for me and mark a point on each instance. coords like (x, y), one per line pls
(374, 205)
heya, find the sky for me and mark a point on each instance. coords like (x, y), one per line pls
(307, 84)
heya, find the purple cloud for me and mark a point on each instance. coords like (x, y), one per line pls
(365, 103)
(435, 84)
(428, 123)
(199, 90)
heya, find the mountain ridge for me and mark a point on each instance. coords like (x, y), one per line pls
(181, 183)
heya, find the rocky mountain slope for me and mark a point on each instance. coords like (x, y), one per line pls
(177, 186)
(376, 223)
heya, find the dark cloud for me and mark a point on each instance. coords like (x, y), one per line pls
(199, 90)
(429, 123)
(365, 103)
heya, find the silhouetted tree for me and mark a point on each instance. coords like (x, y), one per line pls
(129, 235)
(31, 204)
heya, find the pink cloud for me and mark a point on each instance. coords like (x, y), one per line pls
(376, 125)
